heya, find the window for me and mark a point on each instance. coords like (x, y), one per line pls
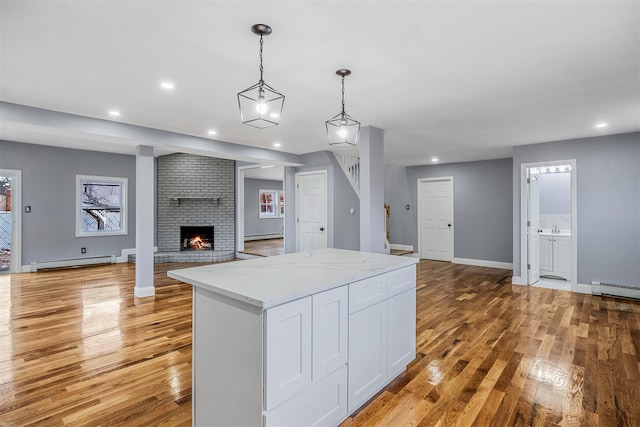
(100, 206)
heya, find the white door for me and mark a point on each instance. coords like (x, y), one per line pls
(311, 210)
(10, 229)
(533, 229)
(435, 206)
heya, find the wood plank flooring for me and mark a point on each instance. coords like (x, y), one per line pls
(267, 247)
(78, 349)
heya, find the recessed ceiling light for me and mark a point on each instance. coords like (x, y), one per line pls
(276, 144)
(114, 113)
(212, 132)
(434, 160)
(602, 125)
(166, 85)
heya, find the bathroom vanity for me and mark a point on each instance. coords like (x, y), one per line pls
(298, 339)
(555, 254)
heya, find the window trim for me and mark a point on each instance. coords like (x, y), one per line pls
(123, 182)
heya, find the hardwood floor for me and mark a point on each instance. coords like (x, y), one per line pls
(267, 247)
(76, 348)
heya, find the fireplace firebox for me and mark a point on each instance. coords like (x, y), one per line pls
(196, 238)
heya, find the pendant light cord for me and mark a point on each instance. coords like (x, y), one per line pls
(261, 69)
(343, 96)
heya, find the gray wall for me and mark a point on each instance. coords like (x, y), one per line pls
(343, 228)
(482, 207)
(49, 187)
(253, 224)
(608, 196)
(403, 223)
(555, 193)
(196, 176)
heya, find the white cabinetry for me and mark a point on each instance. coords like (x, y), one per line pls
(555, 256)
(306, 354)
(382, 332)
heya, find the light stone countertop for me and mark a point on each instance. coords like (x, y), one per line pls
(270, 281)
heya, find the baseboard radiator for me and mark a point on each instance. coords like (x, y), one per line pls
(75, 262)
(614, 290)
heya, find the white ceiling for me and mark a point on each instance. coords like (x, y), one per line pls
(457, 80)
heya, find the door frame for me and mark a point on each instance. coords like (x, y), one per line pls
(326, 213)
(453, 223)
(16, 218)
(524, 169)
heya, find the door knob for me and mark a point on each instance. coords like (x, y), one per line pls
(321, 228)
(448, 225)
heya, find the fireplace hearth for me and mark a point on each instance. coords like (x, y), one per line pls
(196, 238)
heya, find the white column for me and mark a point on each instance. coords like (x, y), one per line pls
(145, 218)
(372, 232)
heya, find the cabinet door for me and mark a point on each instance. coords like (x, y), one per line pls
(288, 350)
(330, 319)
(401, 312)
(562, 254)
(324, 403)
(546, 254)
(367, 353)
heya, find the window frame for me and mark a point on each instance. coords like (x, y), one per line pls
(123, 183)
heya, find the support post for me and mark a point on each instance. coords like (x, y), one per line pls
(372, 230)
(145, 218)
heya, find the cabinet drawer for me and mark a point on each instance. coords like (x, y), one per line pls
(323, 403)
(367, 292)
(401, 280)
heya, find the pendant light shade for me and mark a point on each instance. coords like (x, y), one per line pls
(260, 105)
(342, 129)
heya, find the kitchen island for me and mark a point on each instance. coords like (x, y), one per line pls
(298, 339)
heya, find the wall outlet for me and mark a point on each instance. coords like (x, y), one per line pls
(83, 250)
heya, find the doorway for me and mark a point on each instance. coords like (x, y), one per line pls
(260, 211)
(549, 224)
(10, 227)
(311, 210)
(435, 218)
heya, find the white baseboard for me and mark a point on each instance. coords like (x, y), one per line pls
(583, 289)
(517, 280)
(401, 247)
(147, 291)
(483, 263)
(130, 251)
(413, 255)
(264, 237)
(25, 269)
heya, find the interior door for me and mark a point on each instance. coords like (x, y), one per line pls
(436, 219)
(10, 236)
(533, 229)
(311, 207)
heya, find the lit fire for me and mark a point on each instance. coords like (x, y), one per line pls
(196, 242)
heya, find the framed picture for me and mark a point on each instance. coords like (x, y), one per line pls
(281, 204)
(268, 204)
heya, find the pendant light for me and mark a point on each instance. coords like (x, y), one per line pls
(260, 105)
(342, 129)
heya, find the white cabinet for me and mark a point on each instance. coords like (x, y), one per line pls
(288, 350)
(555, 256)
(306, 357)
(546, 254)
(562, 256)
(367, 353)
(401, 322)
(382, 332)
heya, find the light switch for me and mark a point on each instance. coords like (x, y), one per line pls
(27, 209)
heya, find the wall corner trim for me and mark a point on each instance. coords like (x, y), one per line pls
(517, 280)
